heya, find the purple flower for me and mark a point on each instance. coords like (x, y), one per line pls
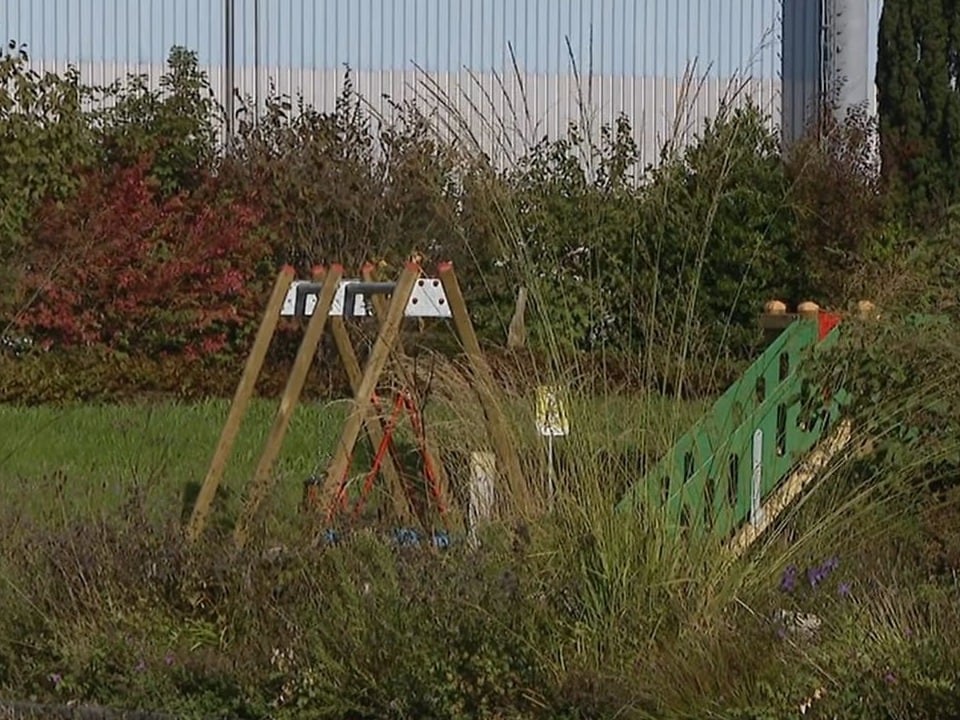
(55, 679)
(141, 666)
(168, 660)
(816, 576)
(844, 589)
(789, 580)
(890, 678)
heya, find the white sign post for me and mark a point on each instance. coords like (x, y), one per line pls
(552, 422)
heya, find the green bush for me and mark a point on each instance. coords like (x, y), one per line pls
(632, 261)
(176, 124)
(100, 375)
(338, 188)
(718, 236)
(617, 257)
(45, 135)
(95, 375)
(900, 367)
(844, 221)
(569, 223)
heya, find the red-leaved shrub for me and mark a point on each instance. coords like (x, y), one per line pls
(117, 266)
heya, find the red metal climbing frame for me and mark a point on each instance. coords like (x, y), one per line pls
(402, 402)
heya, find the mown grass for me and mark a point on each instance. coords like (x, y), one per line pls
(102, 452)
(89, 457)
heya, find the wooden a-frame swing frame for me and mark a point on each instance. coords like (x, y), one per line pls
(363, 382)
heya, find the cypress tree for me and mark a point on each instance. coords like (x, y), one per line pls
(918, 64)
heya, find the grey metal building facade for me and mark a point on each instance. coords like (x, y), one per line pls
(512, 70)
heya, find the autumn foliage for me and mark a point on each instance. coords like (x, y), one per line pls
(118, 265)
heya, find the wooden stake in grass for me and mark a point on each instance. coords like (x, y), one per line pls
(241, 400)
(482, 378)
(382, 346)
(517, 330)
(263, 479)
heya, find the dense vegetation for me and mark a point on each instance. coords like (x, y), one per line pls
(919, 101)
(136, 251)
(119, 196)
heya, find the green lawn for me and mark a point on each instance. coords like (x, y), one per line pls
(83, 459)
(97, 453)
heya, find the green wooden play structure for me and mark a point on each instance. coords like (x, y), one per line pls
(731, 473)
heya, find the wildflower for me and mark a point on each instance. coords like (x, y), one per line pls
(55, 679)
(817, 575)
(890, 678)
(844, 589)
(168, 660)
(789, 580)
(141, 666)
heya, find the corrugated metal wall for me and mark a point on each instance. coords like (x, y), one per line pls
(495, 60)
(802, 65)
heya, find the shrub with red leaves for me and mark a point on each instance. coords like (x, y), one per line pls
(118, 266)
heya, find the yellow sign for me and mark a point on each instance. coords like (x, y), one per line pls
(551, 414)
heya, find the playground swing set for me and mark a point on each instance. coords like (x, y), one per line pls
(728, 477)
(329, 298)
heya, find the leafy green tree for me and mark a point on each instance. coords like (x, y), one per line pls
(917, 74)
(718, 234)
(45, 136)
(176, 123)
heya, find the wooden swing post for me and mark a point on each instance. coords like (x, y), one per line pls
(263, 479)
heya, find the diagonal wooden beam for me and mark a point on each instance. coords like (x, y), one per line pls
(382, 346)
(371, 422)
(482, 378)
(780, 499)
(401, 497)
(380, 307)
(238, 407)
(263, 480)
(380, 304)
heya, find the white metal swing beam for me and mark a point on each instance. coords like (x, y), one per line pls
(428, 300)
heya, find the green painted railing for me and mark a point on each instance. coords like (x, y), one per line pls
(719, 473)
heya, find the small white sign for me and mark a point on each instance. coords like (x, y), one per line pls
(551, 414)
